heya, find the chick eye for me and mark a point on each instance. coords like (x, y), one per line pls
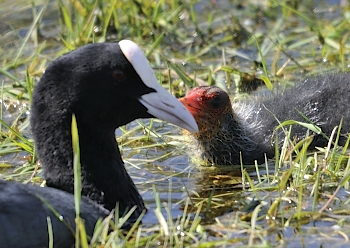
(216, 102)
(118, 75)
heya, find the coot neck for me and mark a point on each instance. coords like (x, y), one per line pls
(104, 178)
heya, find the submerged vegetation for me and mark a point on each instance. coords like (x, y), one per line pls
(300, 198)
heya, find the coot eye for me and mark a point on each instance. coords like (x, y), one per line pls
(118, 75)
(216, 102)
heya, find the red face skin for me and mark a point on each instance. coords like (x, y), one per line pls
(208, 105)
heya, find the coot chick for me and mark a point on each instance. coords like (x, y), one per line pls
(246, 130)
(105, 85)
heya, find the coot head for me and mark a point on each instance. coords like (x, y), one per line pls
(209, 105)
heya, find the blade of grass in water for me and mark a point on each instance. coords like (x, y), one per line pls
(31, 30)
(81, 239)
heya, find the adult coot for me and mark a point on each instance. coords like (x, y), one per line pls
(105, 85)
(247, 130)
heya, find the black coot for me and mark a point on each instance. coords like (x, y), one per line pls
(105, 85)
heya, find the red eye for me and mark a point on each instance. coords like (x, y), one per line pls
(118, 75)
